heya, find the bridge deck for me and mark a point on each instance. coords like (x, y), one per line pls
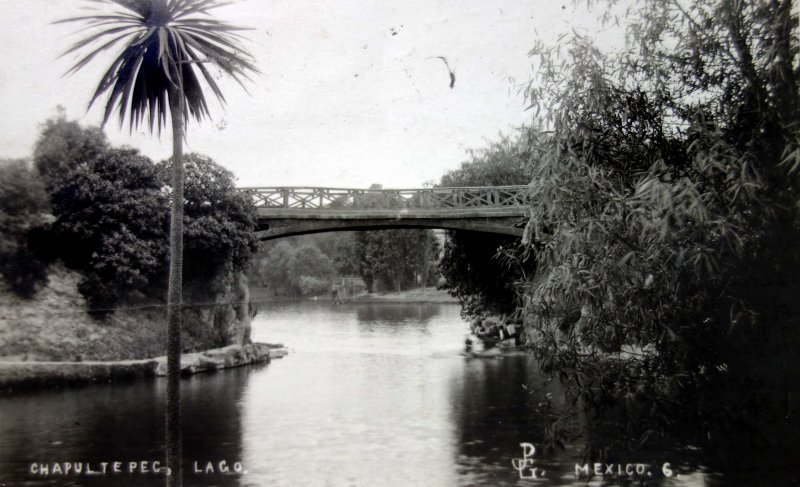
(286, 211)
(435, 202)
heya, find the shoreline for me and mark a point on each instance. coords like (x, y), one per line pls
(27, 375)
(426, 295)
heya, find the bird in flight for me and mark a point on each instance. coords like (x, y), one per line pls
(450, 71)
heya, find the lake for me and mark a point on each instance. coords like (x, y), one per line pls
(370, 394)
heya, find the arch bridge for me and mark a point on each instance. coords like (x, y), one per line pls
(286, 211)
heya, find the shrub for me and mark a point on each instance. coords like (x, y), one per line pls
(23, 210)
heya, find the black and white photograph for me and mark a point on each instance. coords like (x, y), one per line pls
(483, 243)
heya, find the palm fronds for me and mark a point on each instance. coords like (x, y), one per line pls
(157, 38)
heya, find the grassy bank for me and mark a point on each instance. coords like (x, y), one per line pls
(55, 326)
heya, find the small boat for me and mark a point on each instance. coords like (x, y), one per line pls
(497, 332)
(490, 342)
(486, 348)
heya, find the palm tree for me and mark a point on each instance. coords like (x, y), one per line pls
(167, 46)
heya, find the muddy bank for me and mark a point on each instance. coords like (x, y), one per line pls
(18, 375)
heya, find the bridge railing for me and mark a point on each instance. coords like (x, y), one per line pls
(370, 199)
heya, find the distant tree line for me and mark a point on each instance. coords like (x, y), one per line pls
(103, 211)
(391, 260)
(386, 260)
(293, 268)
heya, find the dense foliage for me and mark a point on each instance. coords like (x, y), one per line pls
(472, 271)
(396, 260)
(295, 270)
(111, 209)
(218, 226)
(475, 274)
(666, 223)
(387, 260)
(23, 209)
(63, 146)
(111, 218)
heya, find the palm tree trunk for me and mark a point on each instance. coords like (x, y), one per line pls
(175, 290)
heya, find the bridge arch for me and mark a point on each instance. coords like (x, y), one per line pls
(271, 231)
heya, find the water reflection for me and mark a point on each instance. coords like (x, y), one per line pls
(212, 415)
(356, 403)
(120, 422)
(495, 410)
(394, 313)
(371, 394)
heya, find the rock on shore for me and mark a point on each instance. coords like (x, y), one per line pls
(223, 358)
(31, 375)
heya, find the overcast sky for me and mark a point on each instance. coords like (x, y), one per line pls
(349, 94)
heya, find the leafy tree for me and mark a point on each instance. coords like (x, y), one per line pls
(23, 206)
(367, 245)
(327, 242)
(310, 271)
(314, 286)
(396, 259)
(219, 228)
(664, 224)
(384, 259)
(506, 162)
(308, 260)
(273, 269)
(218, 225)
(63, 146)
(472, 271)
(393, 259)
(166, 43)
(111, 225)
(345, 254)
(296, 270)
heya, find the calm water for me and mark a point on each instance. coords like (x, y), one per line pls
(369, 395)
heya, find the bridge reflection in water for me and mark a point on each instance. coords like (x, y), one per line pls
(285, 211)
